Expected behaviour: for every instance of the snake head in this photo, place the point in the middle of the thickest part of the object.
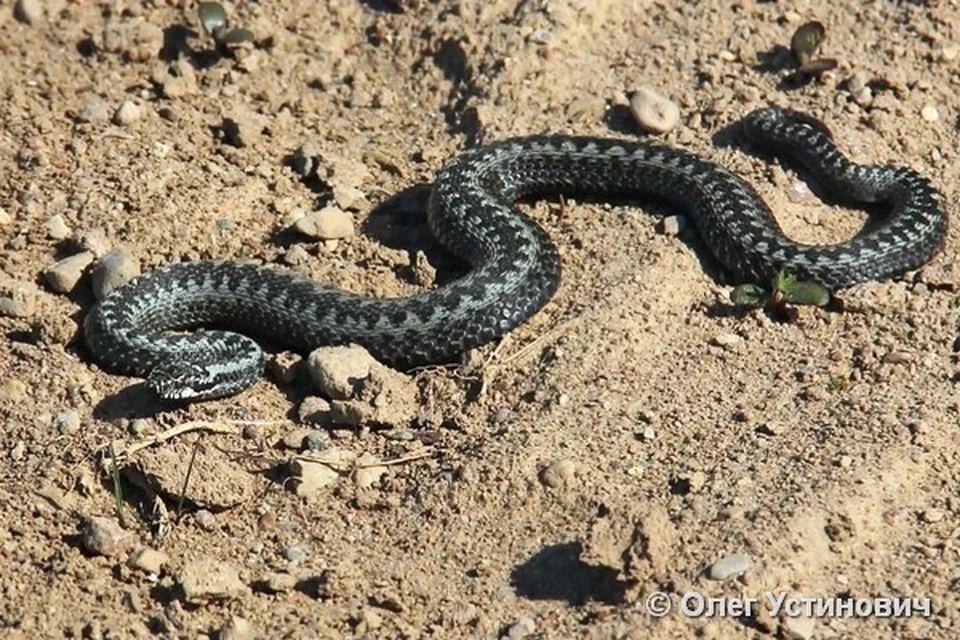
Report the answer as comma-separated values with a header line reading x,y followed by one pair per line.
x,y
189,381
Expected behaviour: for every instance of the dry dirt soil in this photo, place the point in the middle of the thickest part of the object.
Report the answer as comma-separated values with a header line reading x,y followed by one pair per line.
x,y
632,434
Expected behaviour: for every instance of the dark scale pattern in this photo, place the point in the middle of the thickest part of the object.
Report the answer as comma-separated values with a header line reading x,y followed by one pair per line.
x,y
516,268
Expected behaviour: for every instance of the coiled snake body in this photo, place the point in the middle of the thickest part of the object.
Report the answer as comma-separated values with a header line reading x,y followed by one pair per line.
x,y
515,266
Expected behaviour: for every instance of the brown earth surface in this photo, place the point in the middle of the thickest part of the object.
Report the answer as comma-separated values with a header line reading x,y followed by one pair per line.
x,y
618,444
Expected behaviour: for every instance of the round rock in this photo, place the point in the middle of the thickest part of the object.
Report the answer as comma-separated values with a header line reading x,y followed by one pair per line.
x,y
28,11
112,270
653,112
329,223
127,113
338,372
559,474
731,566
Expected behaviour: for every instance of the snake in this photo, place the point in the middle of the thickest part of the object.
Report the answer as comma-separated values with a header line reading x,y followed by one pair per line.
x,y
193,329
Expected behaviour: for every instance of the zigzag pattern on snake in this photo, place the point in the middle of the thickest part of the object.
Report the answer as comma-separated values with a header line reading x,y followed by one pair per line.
x,y
515,266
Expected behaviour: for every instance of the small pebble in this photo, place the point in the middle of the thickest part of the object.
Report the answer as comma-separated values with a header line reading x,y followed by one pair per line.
x,y
113,269
798,627
934,515
138,426
337,372
149,560
329,223
731,566
63,276
857,81
205,520
93,240
304,159
653,112
799,193
57,228
523,627
94,111
726,340
18,451
929,113
316,441
949,51
696,480
296,256
128,113
13,390
279,582
368,471
294,214
242,129
898,357
312,476
17,299
674,225
5,217
294,439
28,11
237,628
295,553
559,474
104,537
314,410
368,620
66,422
863,97
208,579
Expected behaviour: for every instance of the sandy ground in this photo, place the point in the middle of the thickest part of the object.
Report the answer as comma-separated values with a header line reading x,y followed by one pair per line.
x,y
619,444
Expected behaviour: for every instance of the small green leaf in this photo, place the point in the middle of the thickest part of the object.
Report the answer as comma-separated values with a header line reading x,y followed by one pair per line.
x,y
749,295
783,281
212,16
806,40
806,293
236,36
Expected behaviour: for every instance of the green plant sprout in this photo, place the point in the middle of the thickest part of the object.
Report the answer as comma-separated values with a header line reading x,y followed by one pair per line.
x,y
213,17
804,43
783,290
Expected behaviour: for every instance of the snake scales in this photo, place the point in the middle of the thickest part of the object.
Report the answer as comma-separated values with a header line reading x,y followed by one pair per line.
x,y
515,266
